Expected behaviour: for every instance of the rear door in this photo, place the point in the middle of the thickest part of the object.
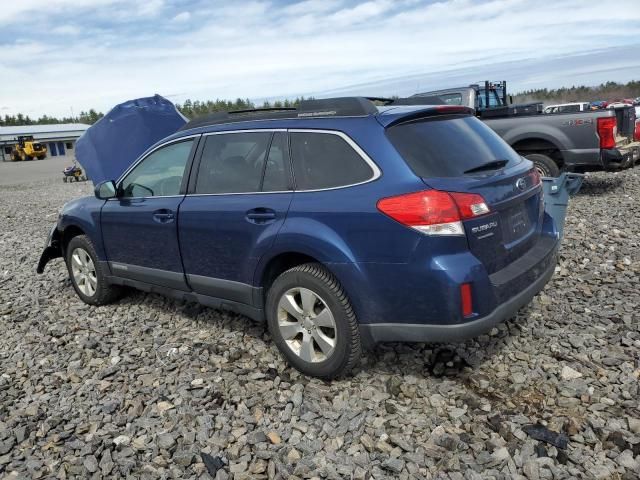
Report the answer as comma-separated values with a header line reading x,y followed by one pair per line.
x,y
139,228
237,202
457,153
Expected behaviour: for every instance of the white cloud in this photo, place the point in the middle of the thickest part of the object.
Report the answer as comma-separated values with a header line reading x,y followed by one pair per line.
x,y
181,17
150,7
67,29
261,49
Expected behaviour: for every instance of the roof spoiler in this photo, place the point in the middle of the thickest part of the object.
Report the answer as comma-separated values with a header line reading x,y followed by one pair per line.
x,y
430,111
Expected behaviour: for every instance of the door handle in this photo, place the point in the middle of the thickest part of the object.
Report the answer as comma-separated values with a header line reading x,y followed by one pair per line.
x,y
261,215
163,216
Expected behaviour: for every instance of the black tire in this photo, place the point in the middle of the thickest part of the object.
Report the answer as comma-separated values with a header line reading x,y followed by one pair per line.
x,y
104,292
347,350
545,165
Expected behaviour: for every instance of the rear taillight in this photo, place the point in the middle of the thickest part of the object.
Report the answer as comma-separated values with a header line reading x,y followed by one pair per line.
x,y
434,212
637,131
534,175
607,132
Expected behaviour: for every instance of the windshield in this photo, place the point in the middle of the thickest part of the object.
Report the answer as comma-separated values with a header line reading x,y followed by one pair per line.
x,y
449,146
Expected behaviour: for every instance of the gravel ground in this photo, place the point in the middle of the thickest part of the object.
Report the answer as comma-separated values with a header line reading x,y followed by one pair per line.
x,y
154,388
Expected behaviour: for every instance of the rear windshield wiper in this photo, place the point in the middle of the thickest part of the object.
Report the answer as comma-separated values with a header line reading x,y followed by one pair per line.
x,y
494,165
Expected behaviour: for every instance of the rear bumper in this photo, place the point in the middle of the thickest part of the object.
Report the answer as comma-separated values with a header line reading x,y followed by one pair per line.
x,y
621,157
411,332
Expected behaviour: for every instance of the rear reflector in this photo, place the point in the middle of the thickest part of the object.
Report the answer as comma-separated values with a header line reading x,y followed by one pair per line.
x,y
607,132
467,303
434,212
534,175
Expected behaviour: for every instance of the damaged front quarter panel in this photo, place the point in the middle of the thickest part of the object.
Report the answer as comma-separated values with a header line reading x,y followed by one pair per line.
x,y
52,249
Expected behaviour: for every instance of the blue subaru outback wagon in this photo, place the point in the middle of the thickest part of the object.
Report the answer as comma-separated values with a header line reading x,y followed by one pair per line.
x,y
340,223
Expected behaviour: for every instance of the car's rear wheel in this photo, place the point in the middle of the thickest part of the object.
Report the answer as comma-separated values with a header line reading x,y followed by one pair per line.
x,y
87,275
545,165
312,322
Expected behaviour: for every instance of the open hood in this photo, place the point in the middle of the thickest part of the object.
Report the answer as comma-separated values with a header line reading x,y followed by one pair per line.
x,y
113,143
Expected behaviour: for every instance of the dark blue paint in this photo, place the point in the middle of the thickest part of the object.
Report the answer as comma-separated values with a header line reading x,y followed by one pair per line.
x,y
220,240
133,235
53,149
393,274
60,148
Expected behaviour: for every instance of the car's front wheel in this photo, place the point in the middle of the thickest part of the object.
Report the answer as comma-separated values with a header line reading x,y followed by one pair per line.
x,y
87,275
312,322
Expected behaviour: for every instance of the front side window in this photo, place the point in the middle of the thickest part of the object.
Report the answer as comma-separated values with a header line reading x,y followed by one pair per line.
x,y
325,160
159,174
232,163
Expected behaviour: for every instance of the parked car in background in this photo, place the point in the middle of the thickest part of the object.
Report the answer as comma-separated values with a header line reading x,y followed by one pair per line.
x,y
621,101
568,107
597,105
617,104
339,222
636,101
578,141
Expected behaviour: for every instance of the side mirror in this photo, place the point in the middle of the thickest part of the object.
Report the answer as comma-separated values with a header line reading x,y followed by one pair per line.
x,y
105,190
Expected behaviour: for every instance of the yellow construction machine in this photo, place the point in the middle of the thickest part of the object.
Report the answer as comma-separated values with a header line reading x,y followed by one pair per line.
x,y
27,149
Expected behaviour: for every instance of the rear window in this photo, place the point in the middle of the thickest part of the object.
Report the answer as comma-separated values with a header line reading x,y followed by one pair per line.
x,y
449,146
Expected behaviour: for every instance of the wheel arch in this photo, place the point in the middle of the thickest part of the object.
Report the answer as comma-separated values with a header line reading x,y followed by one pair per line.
x,y
68,233
269,269
545,146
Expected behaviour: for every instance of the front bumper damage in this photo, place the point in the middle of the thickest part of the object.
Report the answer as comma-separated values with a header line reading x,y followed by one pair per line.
x,y
52,249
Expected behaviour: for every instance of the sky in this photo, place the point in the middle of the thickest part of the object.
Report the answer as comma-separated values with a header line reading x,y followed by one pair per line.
x,y
58,57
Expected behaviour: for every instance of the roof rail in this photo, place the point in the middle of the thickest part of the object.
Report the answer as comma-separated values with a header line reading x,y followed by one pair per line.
x,y
326,107
418,100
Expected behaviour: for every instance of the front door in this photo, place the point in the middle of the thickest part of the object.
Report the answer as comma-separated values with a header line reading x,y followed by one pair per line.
x,y
140,226
237,204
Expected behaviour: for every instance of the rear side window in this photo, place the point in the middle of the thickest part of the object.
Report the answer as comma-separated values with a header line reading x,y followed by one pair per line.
x,y
452,98
449,146
232,162
326,160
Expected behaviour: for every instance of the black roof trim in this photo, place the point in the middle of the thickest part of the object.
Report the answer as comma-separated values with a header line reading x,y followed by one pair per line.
x,y
326,107
416,100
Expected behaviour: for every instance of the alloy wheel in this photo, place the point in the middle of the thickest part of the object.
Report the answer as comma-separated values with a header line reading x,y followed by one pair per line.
x,y
84,272
307,324
543,172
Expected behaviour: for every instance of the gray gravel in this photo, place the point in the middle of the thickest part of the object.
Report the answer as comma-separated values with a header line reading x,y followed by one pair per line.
x,y
154,388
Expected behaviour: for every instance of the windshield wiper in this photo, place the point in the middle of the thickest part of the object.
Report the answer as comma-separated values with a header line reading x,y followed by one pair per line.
x,y
494,165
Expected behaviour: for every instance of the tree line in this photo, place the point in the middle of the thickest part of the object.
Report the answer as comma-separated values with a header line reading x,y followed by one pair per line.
x,y
606,91
89,118
190,109
196,108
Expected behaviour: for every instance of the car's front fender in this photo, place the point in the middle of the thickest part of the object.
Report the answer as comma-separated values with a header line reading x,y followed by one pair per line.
x,y
84,214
